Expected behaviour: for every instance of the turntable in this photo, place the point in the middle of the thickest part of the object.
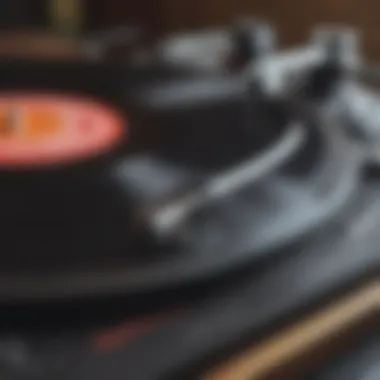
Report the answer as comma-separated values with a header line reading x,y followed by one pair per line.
x,y
160,215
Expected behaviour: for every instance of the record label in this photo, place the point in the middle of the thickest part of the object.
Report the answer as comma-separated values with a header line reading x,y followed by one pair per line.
x,y
44,129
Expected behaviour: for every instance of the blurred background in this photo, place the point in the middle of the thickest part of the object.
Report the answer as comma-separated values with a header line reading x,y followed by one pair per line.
x,y
293,18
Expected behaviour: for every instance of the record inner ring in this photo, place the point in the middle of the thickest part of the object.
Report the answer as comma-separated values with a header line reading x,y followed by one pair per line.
x,y
45,129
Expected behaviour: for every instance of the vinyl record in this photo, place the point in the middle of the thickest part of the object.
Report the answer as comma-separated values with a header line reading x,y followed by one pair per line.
x,y
241,164
100,256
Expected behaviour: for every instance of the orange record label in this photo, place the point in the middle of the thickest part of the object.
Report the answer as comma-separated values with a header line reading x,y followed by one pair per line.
x,y
53,129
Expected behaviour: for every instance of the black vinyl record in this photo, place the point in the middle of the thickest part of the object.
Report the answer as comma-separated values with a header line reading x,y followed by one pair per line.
x,y
77,232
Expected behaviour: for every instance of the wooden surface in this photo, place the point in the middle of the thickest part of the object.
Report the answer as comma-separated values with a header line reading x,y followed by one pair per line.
x,y
34,45
308,343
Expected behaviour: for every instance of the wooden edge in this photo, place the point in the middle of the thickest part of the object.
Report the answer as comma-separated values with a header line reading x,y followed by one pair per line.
x,y
305,336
